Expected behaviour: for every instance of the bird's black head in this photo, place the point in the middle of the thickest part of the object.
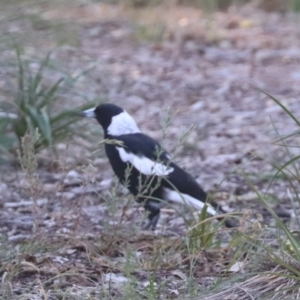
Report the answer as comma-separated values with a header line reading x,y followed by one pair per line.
x,y
113,119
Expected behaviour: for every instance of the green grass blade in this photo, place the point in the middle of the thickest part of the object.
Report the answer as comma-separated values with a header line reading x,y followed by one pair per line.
x,y
295,244
282,106
21,70
280,170
39,75
40,121
48,96
47,126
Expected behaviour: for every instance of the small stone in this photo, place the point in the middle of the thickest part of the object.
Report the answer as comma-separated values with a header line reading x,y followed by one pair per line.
x,y
115,278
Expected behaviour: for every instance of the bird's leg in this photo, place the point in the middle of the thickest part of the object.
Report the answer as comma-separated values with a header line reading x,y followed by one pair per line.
x,y
152,222
153,216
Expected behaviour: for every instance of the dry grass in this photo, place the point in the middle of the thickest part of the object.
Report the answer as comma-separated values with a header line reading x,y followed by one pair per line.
x,y
55,263
271,283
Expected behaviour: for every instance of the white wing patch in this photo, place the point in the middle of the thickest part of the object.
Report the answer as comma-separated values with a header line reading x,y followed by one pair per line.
x,y
181,198
145,165
122,123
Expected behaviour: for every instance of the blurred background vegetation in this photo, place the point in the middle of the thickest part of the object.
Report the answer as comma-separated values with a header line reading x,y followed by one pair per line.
x,y
213,5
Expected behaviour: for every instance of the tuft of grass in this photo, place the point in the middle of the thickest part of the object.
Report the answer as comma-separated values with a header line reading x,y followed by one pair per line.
x,y
153,33
201,235
35,108
28,162
269,254
274,258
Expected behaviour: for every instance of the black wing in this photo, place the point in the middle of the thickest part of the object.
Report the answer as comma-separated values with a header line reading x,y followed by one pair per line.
x,y
143,145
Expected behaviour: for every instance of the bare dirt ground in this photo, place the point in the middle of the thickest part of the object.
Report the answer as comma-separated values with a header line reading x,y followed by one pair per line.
x,y
74,233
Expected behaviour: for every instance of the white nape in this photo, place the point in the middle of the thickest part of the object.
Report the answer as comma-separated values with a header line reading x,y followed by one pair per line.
x,y
181,198
122,123
144,165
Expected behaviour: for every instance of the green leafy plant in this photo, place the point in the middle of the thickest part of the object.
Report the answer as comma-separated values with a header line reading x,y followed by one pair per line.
x,y
35,107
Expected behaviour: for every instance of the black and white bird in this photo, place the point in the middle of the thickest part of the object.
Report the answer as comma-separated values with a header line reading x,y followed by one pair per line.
x,y
144,167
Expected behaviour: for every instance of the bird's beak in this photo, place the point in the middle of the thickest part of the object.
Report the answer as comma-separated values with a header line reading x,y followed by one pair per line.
x,y
89,113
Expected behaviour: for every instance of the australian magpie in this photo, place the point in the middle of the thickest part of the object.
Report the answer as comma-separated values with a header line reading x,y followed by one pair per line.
x,y
144,167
